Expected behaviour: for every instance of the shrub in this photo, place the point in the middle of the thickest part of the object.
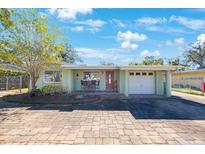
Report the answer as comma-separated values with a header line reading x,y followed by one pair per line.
x,y
35,92
52,89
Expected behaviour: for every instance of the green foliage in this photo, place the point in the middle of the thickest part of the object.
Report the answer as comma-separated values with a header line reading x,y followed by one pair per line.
x,y
149,60
152,60
69,55
10,73
28,43
174,61
35,92
195,56
5,18
52,89
134,63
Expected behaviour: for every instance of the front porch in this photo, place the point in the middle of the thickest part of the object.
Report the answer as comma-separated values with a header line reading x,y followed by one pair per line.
x,y
94,80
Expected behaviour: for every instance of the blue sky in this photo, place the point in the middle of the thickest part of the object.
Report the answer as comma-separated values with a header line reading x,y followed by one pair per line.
x,y
124,35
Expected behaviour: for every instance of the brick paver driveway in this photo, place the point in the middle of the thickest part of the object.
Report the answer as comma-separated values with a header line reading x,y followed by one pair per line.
x,y
135,121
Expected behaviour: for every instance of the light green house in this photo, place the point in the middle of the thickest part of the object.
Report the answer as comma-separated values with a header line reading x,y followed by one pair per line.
x,y
122,79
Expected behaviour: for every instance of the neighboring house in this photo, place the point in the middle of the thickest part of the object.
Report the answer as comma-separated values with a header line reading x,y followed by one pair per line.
x,y
122,79
189,79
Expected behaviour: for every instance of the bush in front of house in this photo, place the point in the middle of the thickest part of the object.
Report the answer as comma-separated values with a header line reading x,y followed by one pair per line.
x,y
52,89
35,92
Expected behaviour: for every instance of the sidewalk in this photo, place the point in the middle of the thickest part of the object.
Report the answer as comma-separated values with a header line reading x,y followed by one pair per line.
x,y
13,92
190,97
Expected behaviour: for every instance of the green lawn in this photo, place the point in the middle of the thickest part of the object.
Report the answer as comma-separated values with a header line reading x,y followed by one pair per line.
x,y
188,91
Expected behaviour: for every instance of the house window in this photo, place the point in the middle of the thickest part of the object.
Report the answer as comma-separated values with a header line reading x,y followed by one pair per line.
x,y
52,76
131,73
144,73
138,73
150,74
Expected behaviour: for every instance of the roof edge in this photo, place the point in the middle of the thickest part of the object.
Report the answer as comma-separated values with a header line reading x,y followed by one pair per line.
x,y
137,67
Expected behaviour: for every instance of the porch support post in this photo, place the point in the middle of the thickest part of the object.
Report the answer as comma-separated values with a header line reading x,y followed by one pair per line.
x,y
168,83
126,83
70,80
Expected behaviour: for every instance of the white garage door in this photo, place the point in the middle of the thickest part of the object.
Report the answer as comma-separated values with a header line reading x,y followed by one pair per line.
x,y
141,82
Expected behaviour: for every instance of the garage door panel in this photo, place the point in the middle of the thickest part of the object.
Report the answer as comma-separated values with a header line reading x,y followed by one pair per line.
x,y
142,83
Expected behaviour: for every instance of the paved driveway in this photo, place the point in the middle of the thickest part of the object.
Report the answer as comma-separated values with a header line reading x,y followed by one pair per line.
x,y
135,121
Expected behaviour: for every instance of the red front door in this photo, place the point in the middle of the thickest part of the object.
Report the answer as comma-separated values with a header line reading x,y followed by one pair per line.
x,y
110,80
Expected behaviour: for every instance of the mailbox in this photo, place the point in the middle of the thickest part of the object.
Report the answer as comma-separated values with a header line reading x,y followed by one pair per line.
x,y
204,87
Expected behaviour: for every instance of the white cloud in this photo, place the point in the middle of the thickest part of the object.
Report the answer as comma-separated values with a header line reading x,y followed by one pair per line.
x,y
188,22
128,45
91,53
130,36
70,13
201,39
93,25
90,22
179,41
146,53
109,54
176,42
151,21
165,29
118,23
77,28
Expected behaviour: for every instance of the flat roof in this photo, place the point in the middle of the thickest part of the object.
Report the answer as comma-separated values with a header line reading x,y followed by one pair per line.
x,y
107,67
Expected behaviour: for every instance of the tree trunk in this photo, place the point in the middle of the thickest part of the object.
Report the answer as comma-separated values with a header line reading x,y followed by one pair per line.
x,y
33,82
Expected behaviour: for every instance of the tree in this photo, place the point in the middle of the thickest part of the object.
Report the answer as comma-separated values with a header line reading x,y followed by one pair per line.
x,y
69,55
5,18
195,56
152,60
28,43
174,61
133,63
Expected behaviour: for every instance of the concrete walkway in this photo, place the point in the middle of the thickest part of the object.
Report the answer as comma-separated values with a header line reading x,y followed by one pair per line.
x,y
190,97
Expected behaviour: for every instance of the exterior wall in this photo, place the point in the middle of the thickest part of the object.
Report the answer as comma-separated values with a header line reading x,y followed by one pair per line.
x,y
67,80
168,83
198,78
71,81
122,81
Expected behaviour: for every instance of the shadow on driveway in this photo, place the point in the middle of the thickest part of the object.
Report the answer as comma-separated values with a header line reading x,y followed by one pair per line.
x,y
173,108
